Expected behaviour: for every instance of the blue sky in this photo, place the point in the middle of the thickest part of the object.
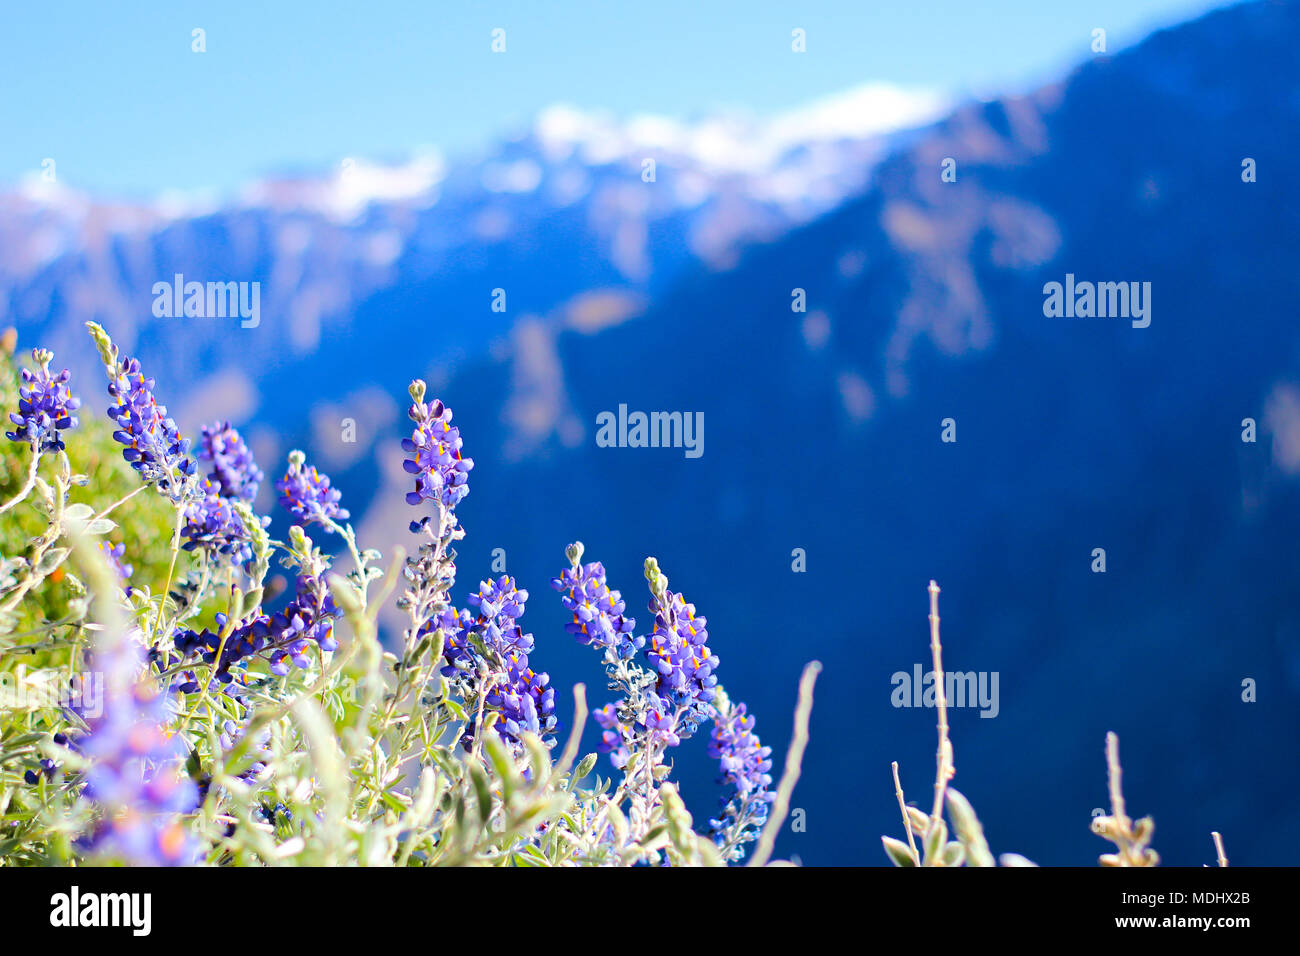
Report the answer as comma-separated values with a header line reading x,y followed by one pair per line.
x,y
113,93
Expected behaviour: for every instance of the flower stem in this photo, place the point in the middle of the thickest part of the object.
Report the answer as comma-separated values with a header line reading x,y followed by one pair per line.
x,y
171,569
27,487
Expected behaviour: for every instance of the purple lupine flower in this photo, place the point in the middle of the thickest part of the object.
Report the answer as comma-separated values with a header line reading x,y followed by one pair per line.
x,y
598,611
499,598
614,736
45,406
47,767
213,525
441,472
500,605
524,700
520,695
307,494
662,726
233,733
115,555
600,620
745,766
457,652
680,654
745,763
154,446
282,639
135,774
233,469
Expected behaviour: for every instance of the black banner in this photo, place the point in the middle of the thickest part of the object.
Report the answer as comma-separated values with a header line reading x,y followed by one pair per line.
x,y
138,906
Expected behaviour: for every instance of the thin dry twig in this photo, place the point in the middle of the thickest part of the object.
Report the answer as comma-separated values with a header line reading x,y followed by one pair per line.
x,y
902,808
1131,837
1113,774
1218,848
944,770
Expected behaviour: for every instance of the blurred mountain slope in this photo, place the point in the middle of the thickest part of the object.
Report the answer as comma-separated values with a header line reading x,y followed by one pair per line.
x,y
823,433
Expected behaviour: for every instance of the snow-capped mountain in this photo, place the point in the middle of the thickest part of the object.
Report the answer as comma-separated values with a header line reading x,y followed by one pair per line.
x,y
580,218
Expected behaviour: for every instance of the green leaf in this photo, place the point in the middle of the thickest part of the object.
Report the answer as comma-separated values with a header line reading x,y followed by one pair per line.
x,y
969,830
482,790
653,834
540,758
618,822
52,559
459,813
445,763
251,600
584,767
935,838
898,852
502,764
917,821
